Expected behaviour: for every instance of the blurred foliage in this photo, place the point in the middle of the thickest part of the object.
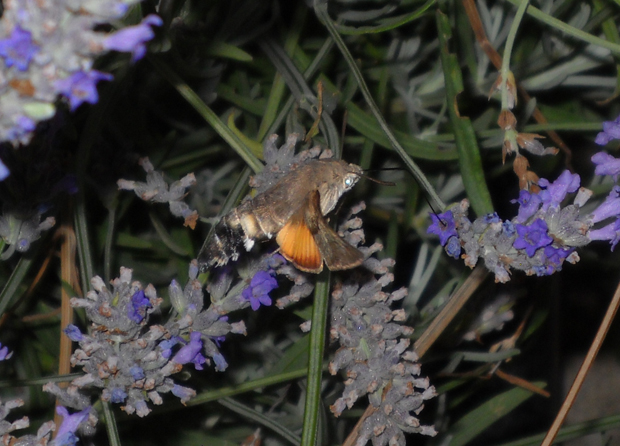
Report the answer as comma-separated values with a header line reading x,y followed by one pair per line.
x,y
223,75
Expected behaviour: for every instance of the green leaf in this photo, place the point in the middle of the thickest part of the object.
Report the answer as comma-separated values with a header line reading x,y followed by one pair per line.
x,y
228,51
479,419
467,146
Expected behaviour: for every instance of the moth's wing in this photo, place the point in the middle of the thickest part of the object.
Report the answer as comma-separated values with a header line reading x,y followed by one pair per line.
x,y
336,252
297,243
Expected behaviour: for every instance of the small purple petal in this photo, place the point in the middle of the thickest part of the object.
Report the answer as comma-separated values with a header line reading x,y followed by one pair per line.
x,y
453,247
608,208
188,352
442,225
136,309
73,333
258,292
118,395
5,353
554,193
137,373
220,362
133,38
532,237
4,171
606,164
18,49
611,130
184,393
81,87
529,205
70,423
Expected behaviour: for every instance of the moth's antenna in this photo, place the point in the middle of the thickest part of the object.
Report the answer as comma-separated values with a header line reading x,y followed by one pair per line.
x,y
389,183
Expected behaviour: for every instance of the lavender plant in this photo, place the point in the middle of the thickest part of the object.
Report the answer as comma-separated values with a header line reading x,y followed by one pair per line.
x,y
98,98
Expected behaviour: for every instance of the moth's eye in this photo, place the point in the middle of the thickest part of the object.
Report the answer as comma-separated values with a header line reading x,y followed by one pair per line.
x,y
349,181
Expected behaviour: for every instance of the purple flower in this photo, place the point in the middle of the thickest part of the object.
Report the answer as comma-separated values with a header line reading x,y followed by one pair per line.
x,y
191,352
529,205
136,309
70,423
4,171
5,353
608,208
611,130
606,164
491,218
184,393
133,38
258,292
118,395
73,333
166,346
610,232
220,362
532,237
453,247
81,87
443,226
554,193
508,228
555,258
18,49
137,373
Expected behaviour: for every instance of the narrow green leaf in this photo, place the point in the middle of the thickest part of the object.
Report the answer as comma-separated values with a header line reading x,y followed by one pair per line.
x,y
320,8
228,51
315,363
467,146
295,357
479,419
10,288
386,24
208,115
262,419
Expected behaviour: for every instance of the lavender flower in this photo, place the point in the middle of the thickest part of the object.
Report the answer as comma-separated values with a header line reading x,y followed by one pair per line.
x,y
81,87
49,48
136,309
376,356
5,353
133,39
70,423
132,359
611,130
18,232
443,226
157,190
18,49
4,171
258,292
190,352
532,237
546,233
73,333
606,164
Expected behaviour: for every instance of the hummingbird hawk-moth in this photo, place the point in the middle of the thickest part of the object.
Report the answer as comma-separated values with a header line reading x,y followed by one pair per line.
x,y
293,211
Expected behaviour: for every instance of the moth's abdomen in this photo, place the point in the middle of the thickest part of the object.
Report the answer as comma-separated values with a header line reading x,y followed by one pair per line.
x,y
223,245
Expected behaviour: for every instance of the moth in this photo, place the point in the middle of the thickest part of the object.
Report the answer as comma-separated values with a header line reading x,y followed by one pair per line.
x,y
293,212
